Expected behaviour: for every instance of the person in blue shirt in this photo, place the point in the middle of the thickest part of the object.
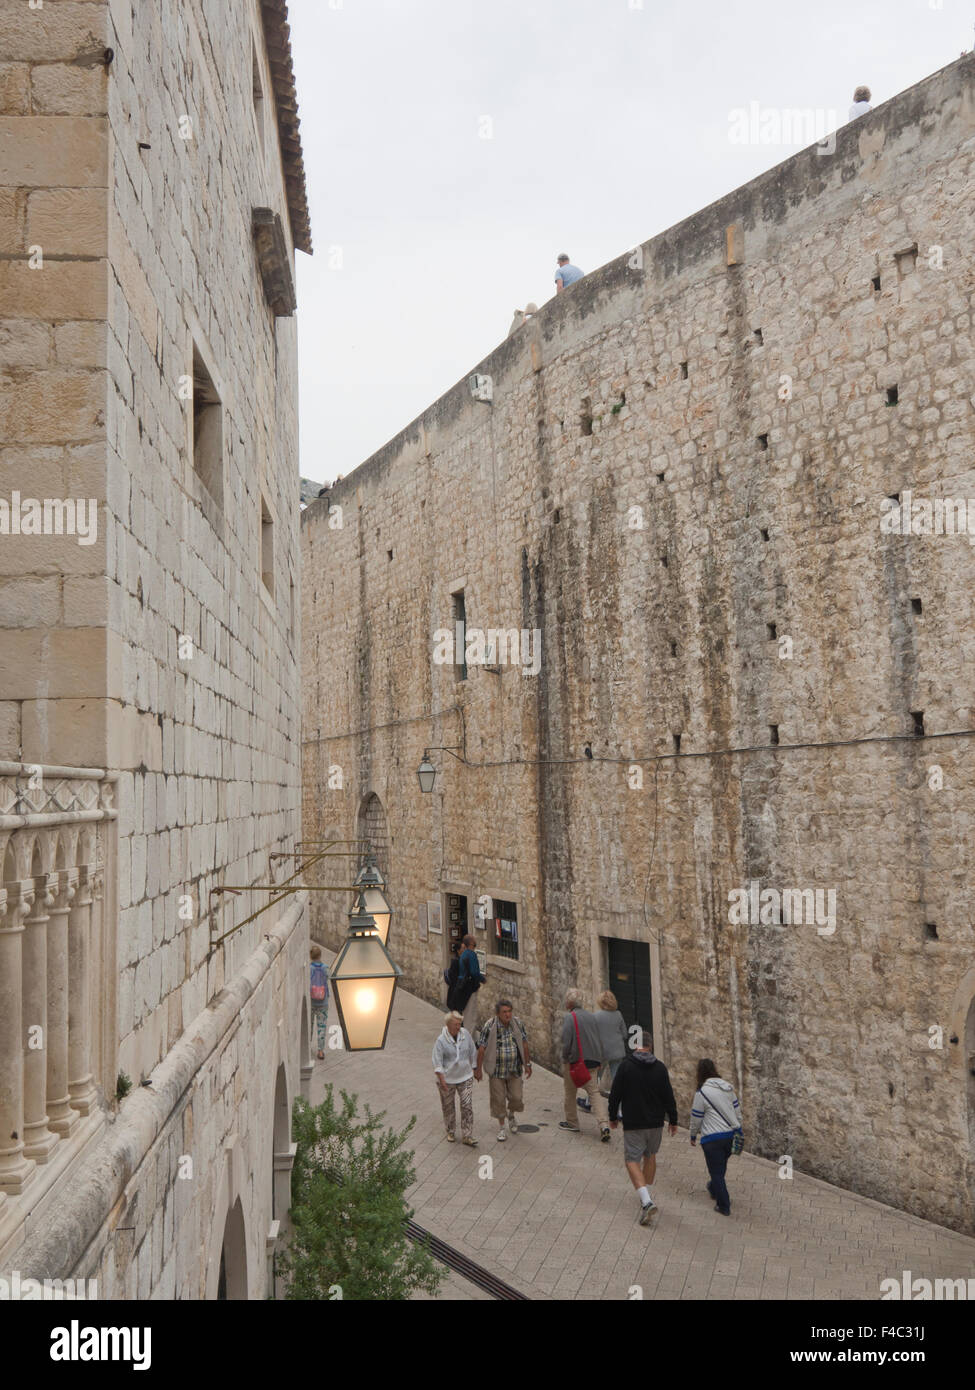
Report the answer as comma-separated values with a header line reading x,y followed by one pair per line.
x,y
567,274
469,981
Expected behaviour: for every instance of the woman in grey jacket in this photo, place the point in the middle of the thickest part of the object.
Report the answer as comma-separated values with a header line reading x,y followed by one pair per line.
x,y
716,1117
612,1032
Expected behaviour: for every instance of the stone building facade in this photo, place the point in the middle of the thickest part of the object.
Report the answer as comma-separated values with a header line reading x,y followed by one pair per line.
x,y
151,201
734,782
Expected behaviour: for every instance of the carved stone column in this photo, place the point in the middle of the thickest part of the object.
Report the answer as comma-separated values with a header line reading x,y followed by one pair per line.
x,y
39,1140
15,1170
81,1086
60,1116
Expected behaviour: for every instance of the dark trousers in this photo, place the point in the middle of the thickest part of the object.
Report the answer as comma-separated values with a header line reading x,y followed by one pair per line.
x,y
716,1154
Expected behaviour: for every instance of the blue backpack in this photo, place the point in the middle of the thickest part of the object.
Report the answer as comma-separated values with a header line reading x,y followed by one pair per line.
x,y
319,982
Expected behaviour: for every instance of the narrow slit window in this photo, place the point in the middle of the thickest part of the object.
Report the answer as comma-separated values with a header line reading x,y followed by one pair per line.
x,y
257,89
459,613
585,417
891,395
267,546
676,743
763,441
917,715
772,631
207,430
683,371
875,282
773,734
916,605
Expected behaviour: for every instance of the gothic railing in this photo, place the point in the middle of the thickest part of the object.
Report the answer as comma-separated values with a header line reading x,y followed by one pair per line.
x,y
57,855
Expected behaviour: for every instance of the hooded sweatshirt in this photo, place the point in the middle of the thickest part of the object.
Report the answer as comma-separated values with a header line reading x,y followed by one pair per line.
x,y
715,1112
642,1086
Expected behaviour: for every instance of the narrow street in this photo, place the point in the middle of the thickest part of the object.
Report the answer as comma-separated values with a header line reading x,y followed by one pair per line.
x,y
558,1217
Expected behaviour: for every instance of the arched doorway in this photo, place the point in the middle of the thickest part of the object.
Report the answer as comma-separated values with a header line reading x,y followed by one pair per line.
x,y
232,1280
282,1157
374,828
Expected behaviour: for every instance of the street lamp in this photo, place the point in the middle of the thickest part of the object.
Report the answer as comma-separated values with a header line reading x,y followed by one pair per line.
x,y
364,977
427,774
369,882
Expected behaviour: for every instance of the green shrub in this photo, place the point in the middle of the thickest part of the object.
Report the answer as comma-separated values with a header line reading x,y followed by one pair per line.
x,y
348,1208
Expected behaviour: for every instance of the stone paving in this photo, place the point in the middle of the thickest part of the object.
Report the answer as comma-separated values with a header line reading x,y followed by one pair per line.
x,y
557,1220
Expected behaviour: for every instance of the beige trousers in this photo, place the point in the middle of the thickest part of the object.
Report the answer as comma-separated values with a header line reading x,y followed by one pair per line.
x,y
600,1109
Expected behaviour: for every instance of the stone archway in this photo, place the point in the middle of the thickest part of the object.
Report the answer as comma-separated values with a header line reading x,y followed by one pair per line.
x,y
232,1278
374,827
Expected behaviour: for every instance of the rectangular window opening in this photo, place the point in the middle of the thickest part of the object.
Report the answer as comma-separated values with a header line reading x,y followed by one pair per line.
x,y
683,371
875,282
676,743
207,430
916,605
505,924
918,717
930,931
763,441
773,733
459,615
267,547
772,631
585,417
764,533
891,395
257,89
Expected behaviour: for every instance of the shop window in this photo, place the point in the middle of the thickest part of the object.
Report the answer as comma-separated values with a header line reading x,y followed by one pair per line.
x,y
505,929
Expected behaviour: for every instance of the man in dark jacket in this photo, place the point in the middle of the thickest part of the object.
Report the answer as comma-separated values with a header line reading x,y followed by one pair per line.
x,y
642,1086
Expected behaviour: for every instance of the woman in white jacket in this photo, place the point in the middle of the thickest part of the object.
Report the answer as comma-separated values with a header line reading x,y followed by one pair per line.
x,y
716,1117
454,1060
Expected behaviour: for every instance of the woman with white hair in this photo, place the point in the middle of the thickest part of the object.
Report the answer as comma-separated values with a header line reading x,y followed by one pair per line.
x,y
454,1059
582,1056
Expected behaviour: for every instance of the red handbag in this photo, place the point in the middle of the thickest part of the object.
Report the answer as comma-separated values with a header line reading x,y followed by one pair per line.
x,y
579,1072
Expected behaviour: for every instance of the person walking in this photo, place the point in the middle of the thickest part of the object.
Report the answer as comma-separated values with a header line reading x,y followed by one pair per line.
x,y
642,1089
581,1044
454,1056
319,999
716,1117
502,1052
612,1035
566,274
451,973
469,981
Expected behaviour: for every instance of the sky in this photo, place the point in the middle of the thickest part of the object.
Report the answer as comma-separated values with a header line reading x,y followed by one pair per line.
x,y
453,148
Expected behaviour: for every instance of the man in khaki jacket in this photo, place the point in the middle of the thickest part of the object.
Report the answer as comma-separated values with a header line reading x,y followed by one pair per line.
x,y
502,1052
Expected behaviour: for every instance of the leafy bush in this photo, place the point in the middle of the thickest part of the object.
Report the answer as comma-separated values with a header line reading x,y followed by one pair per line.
x,y
348,1209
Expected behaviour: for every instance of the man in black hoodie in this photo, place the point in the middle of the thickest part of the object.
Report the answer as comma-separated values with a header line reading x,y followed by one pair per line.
x,y
642,1086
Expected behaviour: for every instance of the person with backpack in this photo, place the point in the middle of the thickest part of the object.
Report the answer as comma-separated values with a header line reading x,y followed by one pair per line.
x,y
716,1117
319,999
469,981
642,1087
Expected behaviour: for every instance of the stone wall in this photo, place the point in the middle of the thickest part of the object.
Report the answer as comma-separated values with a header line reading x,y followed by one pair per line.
x,y
133,154
686,461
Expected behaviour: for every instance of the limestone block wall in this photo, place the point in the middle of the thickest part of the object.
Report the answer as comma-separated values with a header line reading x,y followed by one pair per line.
x,y
686,460
133,154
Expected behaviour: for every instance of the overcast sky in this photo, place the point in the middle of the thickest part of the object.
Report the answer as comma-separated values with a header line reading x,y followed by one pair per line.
x,y
453,148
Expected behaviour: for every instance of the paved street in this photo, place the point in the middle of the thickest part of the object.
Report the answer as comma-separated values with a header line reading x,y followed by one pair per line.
x,y
558,1217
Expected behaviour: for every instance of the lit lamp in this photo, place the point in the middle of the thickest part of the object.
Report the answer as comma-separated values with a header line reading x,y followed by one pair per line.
x,y
427,774
364,977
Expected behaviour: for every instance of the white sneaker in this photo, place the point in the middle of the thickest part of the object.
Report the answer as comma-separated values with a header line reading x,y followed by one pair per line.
x,y
512,1124
502,1133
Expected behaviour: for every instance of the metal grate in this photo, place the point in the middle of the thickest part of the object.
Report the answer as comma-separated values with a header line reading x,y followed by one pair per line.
x,y
454,1260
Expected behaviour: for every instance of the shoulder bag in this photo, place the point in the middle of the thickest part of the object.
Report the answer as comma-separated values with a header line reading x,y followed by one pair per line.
x,y
579,1072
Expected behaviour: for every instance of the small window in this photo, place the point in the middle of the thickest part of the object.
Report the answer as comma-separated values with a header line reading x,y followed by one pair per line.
x,y
207,430
763,441
891,395
505,929
773,734
585,417
875,282
267,547
257,87
459,614
759,337
683,371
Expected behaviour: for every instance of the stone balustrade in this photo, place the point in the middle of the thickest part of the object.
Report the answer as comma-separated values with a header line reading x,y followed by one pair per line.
x,y
57,852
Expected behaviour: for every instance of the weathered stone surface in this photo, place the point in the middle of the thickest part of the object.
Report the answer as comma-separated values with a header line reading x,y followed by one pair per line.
x,y
684,463
157,653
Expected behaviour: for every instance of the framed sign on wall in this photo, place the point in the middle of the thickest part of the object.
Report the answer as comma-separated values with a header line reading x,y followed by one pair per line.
x,y
433,918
